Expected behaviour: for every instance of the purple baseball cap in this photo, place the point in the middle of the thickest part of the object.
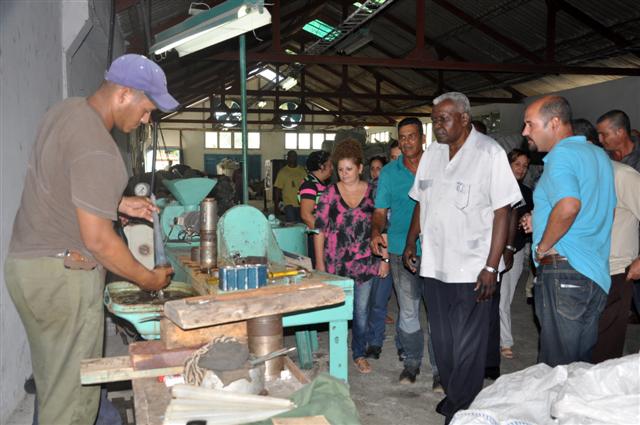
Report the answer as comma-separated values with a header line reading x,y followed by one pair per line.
x,y
138,72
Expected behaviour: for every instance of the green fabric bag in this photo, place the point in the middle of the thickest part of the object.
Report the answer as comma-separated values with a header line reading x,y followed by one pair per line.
x,y
326,396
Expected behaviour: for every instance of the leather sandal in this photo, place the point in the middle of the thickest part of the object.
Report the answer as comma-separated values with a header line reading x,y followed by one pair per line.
x,y
506,352
362,365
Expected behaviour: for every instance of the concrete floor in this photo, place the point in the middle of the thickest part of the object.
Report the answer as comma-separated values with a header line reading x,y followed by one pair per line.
x,y
380,399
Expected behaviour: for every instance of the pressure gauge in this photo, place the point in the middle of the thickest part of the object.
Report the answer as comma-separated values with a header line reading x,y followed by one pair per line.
x,y
142,189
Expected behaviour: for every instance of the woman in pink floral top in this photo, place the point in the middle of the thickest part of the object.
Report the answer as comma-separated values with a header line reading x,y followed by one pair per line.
x,y
343,220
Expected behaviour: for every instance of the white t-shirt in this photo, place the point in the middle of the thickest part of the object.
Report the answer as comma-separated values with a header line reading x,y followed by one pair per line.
x,y
457,203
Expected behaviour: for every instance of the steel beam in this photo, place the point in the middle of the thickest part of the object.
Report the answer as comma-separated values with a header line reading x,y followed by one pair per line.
x,y
405,63
352,96
449,52
275,27
420,11
307,114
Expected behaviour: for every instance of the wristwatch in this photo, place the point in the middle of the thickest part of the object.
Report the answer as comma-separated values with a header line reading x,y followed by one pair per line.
x,y
490,269
511,248
385,260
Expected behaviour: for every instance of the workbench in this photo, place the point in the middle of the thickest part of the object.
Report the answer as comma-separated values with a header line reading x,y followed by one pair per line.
x,y
337,317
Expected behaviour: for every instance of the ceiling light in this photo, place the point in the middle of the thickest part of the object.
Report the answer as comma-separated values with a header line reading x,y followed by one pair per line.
x,y
262,104
289,83
220,23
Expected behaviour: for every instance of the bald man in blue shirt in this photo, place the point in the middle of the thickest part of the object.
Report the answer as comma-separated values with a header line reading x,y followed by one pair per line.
x,y
572,220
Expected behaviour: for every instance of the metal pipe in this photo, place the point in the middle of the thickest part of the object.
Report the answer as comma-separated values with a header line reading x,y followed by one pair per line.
x,y
265,336
243,107
208,239
154,146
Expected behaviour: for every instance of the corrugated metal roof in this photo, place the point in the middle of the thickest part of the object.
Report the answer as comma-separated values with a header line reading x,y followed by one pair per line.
x,y
522,21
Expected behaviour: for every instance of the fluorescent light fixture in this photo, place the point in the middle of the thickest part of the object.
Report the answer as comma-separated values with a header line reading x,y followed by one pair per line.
x,y
197,102
289,83
220,23
269,74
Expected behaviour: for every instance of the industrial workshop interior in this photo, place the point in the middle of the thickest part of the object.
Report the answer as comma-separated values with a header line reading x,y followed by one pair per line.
x,y
312,212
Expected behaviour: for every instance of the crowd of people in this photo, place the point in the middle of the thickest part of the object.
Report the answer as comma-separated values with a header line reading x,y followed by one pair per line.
x,y
454,226
449,225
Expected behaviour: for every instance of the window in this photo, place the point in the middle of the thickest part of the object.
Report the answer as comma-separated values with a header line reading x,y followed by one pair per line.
x,y
380,137
306,140
321,30
210,140
227,140
164,158
429,133
291,141
224,140
254,140
317,140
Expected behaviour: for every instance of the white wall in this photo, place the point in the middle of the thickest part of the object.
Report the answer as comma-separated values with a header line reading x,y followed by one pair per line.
x,y
592,101
35,73
30,82
586,102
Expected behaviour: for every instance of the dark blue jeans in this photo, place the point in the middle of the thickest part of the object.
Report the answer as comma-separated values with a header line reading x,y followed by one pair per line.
x,y
361,303
380,293
568,306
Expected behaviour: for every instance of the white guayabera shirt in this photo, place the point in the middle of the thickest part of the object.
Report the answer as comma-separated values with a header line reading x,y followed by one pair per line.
x,y
457,203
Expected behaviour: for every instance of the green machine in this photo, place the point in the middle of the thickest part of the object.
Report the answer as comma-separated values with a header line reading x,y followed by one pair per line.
x,y
180,218
291,237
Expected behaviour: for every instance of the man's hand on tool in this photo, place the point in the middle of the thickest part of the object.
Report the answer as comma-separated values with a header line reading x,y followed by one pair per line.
x,y
137,206
159,278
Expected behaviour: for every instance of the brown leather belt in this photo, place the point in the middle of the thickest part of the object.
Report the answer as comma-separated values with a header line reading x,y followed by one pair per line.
x,y
551,259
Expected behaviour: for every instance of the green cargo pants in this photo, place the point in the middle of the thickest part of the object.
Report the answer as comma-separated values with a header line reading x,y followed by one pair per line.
x,y
63,315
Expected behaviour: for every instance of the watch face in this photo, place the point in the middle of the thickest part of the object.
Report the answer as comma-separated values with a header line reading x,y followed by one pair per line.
x,y
142,189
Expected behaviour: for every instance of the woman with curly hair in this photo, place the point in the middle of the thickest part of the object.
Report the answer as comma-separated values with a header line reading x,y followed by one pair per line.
x,y
343,222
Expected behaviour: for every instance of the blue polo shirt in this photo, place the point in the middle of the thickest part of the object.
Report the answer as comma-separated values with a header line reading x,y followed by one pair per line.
x,y
578,169
394,184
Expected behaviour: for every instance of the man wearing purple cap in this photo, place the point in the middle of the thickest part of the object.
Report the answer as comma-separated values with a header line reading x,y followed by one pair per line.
x,y
63,237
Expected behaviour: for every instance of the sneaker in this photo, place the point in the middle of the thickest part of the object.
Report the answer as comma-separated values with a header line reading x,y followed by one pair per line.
x,y
401,355
408,376
437,386
373,352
